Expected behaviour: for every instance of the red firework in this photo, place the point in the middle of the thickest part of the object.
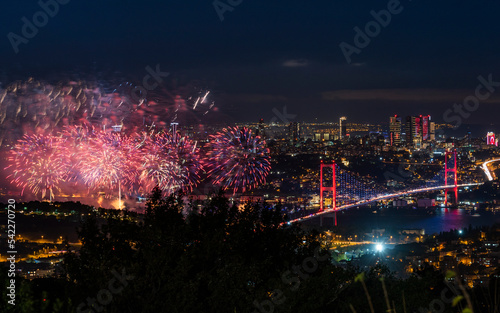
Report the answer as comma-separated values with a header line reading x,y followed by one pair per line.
x,y
237,160
39,162
170,162
107,160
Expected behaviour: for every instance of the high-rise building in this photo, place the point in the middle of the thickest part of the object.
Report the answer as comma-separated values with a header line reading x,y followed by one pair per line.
x,y
410,130
294,132
395,130
343,127
419,129
260,129
426,120
490,139
432,131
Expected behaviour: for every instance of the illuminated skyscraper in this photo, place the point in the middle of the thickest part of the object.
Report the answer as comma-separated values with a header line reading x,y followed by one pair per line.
x,y
343,127
426,120
260,129
395,130
419,129
490,139
410,127
432,131
294,132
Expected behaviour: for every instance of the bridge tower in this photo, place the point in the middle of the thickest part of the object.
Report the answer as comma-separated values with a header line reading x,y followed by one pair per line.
x,y
332,188
453,170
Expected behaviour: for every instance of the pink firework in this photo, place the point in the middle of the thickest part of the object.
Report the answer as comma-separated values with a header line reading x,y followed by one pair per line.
x,y
39,163
172,163
238,160
107,160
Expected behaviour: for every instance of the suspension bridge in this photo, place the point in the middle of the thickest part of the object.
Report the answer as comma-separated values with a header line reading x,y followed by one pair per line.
x,y
345,190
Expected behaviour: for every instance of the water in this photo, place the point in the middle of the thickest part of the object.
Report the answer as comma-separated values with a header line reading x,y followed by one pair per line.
x,y
433,221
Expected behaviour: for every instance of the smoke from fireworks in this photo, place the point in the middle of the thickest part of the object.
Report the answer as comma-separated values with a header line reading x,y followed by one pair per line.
x,y
237,160
184,102
41,108
32,106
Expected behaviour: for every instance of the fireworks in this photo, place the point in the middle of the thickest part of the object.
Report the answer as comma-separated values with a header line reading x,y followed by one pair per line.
x,y
170,162
237,160
184,102
41,108
107,160
77,135
37,107
39,163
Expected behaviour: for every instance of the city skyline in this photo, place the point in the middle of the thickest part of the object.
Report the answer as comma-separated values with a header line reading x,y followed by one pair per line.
x,y
221,156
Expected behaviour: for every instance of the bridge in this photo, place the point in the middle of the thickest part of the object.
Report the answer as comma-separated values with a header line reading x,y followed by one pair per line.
x,y
346,191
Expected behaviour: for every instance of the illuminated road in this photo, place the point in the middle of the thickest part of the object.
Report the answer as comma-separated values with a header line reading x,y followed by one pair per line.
x,y
379,198
484,167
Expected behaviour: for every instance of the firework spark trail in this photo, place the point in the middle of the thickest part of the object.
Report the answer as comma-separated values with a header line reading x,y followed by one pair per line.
x,y
108,159
37,107
171,163
39,162
237,160
184,102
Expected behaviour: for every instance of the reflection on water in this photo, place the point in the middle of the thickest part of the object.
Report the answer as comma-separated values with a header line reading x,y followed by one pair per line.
x,y
433,221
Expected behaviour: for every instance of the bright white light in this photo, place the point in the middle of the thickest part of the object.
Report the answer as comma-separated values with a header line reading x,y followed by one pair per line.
x,y
460,231
379,247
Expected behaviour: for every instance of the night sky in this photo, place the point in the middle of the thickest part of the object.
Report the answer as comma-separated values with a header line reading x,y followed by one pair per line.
x,y
266,55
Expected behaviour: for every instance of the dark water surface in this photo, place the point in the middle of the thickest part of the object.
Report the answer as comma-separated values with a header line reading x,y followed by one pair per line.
x,y
432,220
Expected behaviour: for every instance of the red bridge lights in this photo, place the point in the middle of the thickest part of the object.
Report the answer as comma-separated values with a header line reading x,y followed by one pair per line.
x,y
322,189
453,171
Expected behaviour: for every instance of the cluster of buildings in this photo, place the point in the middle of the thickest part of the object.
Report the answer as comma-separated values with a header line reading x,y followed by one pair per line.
x,y
474,259
473,255
320,132
418,130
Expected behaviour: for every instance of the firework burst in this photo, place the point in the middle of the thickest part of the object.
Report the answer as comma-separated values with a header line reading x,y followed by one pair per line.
x,y
39,163
107,159
237,160
170,162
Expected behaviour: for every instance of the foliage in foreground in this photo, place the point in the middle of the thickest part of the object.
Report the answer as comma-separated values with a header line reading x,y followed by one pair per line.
x,y
215,259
